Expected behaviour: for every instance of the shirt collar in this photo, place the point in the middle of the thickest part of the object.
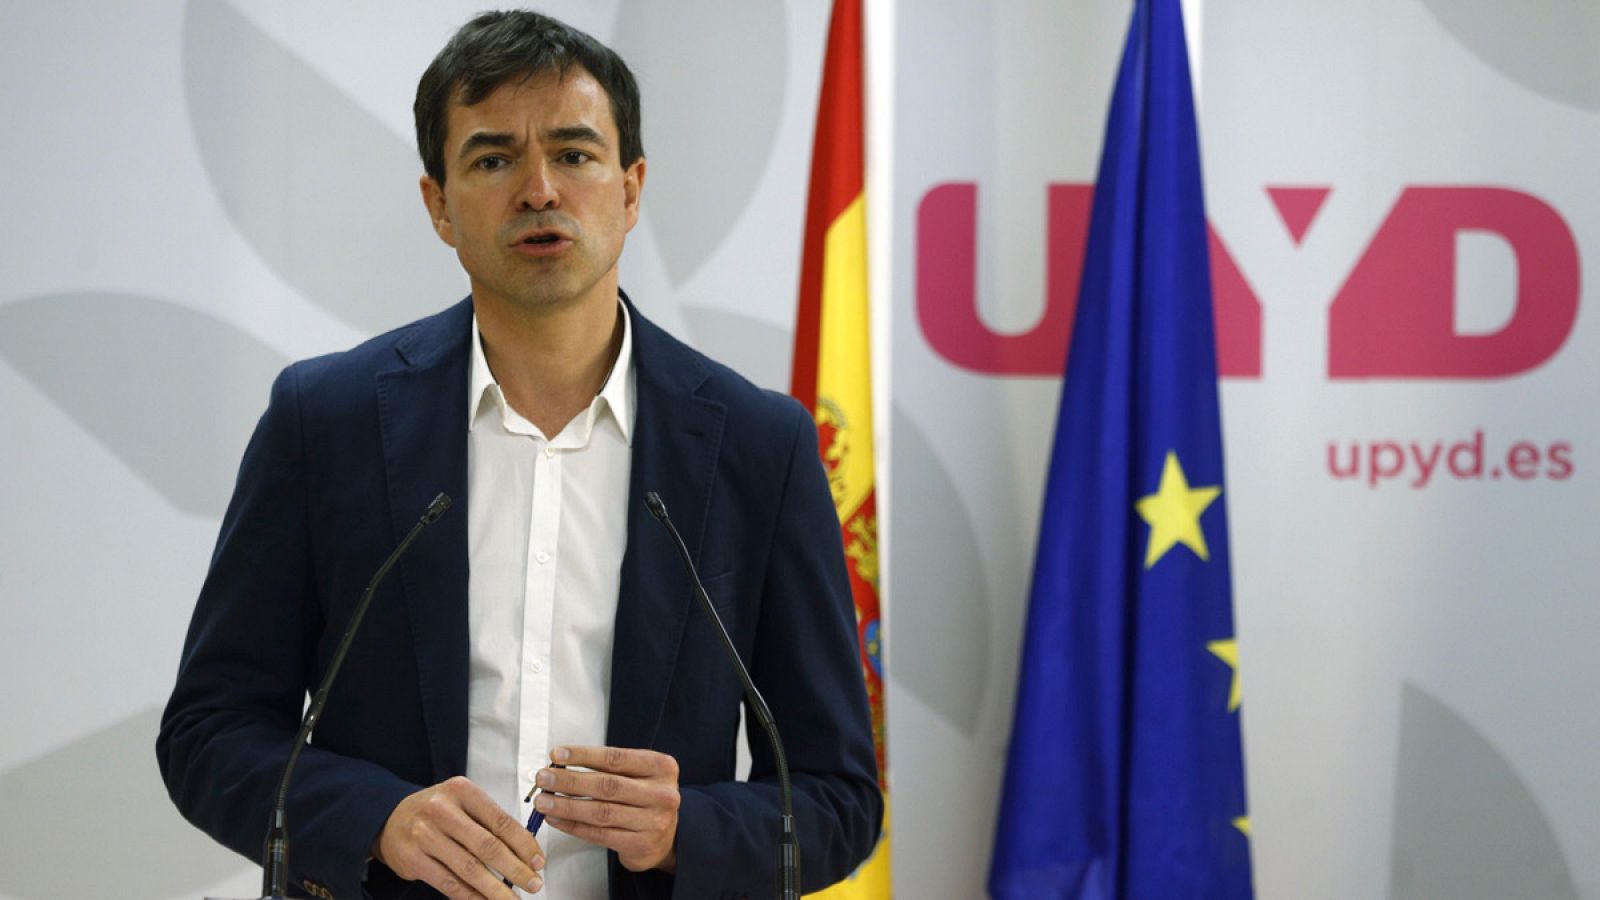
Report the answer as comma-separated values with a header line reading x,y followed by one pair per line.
x,y
481,384
616,395
618,390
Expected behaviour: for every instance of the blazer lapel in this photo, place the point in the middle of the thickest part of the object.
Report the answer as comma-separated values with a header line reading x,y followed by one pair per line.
x,y
676,440
422,405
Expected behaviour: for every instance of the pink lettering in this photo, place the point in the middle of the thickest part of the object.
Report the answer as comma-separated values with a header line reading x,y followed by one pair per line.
x,y
946,289
1425,463
1394,316
1385,459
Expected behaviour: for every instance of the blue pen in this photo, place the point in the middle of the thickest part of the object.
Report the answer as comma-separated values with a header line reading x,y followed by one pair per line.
x,y
537,818
534,821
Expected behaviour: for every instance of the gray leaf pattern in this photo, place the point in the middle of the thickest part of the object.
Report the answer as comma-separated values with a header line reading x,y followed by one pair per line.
x,y
101,822
1547,46
160,385
322,190
755,349
941,577
711,108
1466,826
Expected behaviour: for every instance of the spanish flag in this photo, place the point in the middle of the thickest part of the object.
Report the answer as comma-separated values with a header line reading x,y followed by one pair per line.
x,y
833,371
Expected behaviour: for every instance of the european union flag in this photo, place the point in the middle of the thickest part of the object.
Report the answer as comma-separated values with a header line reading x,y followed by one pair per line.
x,y
1125,776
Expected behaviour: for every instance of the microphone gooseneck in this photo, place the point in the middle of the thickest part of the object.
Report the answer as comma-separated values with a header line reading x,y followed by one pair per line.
x,y
275,855
788,843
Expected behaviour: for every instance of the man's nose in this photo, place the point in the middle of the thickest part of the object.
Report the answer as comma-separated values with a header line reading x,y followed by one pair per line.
x,y
538,190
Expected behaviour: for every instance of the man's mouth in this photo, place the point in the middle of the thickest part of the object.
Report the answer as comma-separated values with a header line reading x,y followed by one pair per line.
x,y
543,243
541,236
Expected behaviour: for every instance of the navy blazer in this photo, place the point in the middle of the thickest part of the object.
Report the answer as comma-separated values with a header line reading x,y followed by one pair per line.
x,y
350,451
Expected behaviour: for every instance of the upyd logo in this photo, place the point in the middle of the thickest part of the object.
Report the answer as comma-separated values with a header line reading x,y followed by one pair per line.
x,y
1393,317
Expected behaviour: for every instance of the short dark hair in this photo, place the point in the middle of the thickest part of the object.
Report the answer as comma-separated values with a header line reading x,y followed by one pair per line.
x,y
497,47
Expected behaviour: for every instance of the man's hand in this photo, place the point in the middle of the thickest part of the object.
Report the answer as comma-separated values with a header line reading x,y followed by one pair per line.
x,y
632,804
451,834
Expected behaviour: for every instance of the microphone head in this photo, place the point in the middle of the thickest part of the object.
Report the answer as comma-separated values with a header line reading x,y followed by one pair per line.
x,y
436,509
657,508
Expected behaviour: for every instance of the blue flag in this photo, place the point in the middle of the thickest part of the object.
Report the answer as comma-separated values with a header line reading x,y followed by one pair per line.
x,y
1125,776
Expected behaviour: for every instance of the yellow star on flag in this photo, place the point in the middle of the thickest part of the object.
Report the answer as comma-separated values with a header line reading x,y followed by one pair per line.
x,y
1173,512
1228,652
1243,824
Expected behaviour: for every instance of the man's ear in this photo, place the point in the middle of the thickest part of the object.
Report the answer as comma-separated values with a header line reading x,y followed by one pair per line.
x,y
633,190
438,212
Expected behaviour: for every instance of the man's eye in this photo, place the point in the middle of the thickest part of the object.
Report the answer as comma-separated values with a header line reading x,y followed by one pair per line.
x,y
574,157
491,163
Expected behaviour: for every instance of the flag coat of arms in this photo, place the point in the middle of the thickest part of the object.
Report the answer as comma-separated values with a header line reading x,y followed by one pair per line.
x,y
832,370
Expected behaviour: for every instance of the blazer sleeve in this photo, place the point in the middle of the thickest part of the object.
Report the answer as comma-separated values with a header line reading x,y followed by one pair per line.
x,y
806,662
248,659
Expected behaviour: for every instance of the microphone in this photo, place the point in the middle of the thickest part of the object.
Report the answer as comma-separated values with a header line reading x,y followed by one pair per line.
x,y
275,854
788,844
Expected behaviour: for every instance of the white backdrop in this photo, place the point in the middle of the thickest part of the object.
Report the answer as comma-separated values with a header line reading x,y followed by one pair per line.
x,y
1416,633
201,191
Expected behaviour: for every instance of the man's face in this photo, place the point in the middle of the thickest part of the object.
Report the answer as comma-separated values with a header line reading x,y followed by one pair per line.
x,y
535,200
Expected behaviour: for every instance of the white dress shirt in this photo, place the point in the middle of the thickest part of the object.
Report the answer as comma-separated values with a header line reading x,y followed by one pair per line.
x,y
546,529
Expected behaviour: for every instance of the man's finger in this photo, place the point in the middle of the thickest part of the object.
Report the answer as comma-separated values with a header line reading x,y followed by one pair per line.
x,y
633,848
488,814
437,875
469,871
608,786
441,824
601,813
641,825
628,761
609,838
473,842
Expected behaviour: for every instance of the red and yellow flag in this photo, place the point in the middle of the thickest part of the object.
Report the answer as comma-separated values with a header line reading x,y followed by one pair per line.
x,y
833,368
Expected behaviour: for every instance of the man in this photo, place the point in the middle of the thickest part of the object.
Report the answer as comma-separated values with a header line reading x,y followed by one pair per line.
x,y
545,618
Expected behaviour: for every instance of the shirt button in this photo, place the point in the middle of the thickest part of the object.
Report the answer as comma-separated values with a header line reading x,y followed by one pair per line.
x,y
542,557
537,666
549,452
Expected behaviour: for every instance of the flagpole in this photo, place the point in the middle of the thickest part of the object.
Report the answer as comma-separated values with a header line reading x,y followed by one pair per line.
x,y
879,63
